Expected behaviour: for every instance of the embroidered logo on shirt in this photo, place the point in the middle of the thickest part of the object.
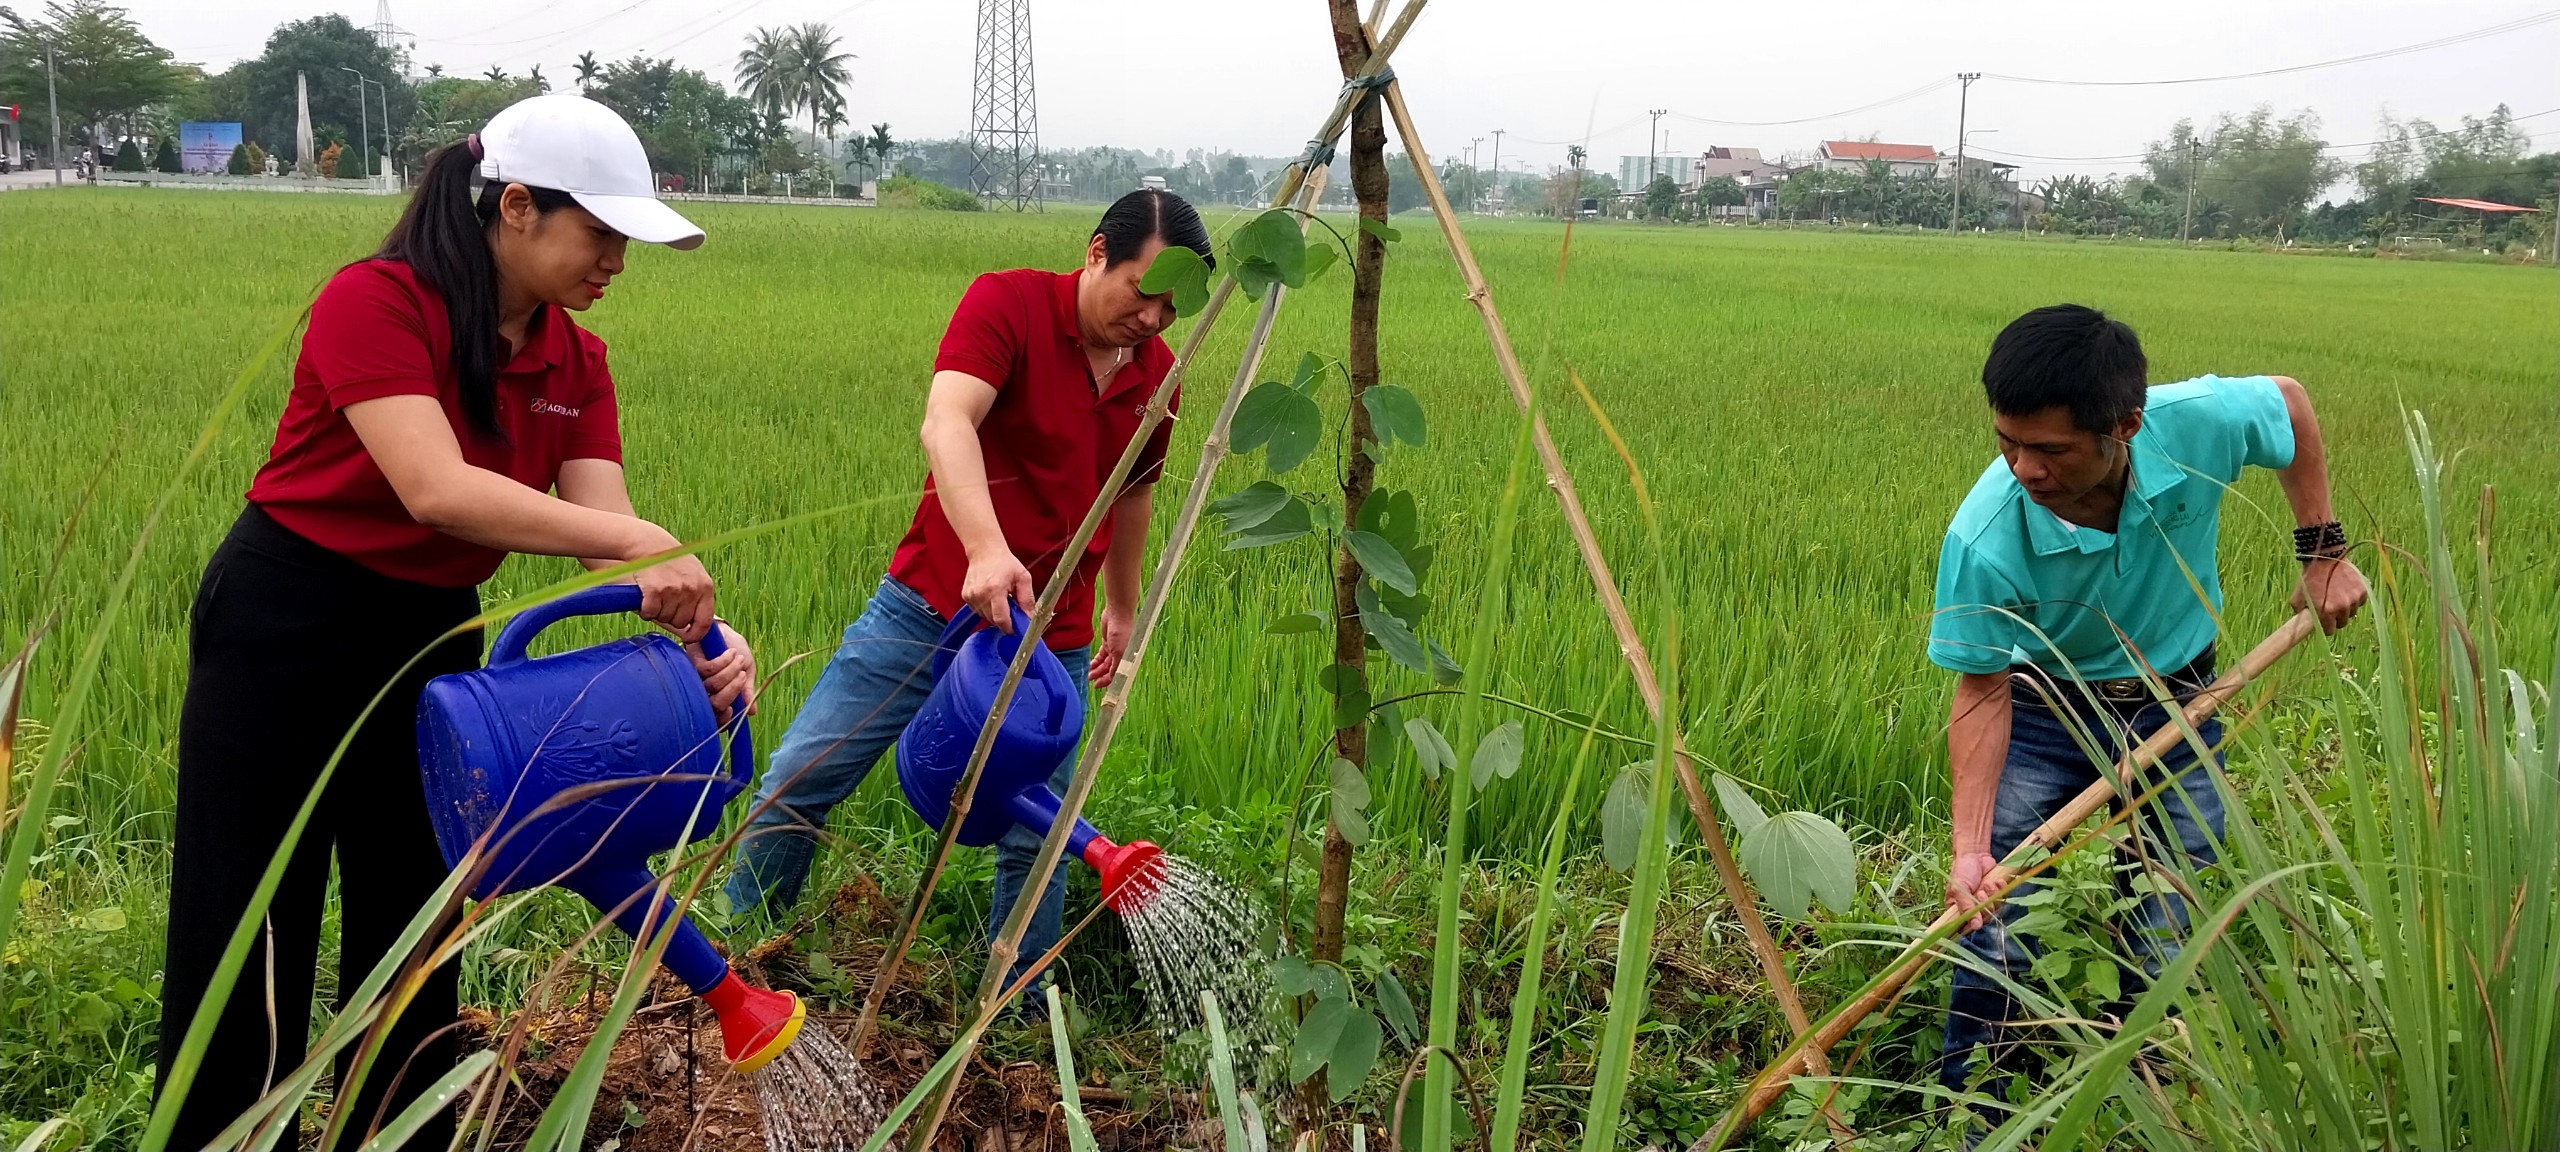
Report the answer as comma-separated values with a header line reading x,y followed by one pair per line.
x,y
542,405
2180,517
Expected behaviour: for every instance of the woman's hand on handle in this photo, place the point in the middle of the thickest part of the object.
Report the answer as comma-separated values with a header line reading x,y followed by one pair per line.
x,y
728,677
676,594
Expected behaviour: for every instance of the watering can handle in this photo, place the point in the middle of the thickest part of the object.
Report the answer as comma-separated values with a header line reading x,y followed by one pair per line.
x,y
601,600
608,600
964,624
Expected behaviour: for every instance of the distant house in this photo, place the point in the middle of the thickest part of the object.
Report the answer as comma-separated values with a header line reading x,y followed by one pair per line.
x,y
10,148
1744,166
1151,183
1854,155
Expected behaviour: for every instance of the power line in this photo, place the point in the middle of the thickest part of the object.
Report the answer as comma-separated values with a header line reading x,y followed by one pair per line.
x,y
2360,58
570,31
1888,101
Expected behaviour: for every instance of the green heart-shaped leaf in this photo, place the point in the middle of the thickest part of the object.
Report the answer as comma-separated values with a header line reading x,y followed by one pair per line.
x,y
1251,506
1394,414
1183,273
1381,560
1498,754
1622,815
1429,746
1798,857
1739,807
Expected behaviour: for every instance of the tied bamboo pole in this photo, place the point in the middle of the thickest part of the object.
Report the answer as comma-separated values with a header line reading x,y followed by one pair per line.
x,y
1772,1080
1630,643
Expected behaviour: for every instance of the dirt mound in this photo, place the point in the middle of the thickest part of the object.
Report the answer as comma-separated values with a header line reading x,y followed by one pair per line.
x,y
667,1088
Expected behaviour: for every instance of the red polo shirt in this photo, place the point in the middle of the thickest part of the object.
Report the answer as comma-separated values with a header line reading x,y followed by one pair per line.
x,y
375,331
1049,440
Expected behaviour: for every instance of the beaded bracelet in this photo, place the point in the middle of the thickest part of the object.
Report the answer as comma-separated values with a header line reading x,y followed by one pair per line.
x,y
2320,542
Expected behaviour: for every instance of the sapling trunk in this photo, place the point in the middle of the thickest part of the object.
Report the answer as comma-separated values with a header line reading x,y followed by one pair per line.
x,y
1350,649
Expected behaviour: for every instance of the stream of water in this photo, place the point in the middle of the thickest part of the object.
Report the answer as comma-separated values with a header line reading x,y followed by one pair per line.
x,y
1195,932
816,1098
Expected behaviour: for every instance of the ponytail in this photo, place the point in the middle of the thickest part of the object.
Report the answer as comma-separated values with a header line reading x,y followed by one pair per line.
x,y
443,237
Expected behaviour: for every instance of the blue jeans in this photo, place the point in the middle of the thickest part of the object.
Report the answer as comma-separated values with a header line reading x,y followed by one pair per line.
x,y
873,685
2044,770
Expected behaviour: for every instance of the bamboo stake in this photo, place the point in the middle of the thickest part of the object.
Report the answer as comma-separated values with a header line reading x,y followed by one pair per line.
x,y
1002,951
1630,643
1772,1080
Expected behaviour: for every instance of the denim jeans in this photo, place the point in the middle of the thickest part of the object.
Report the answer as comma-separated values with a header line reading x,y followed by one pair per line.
x,y
2046,767
873,685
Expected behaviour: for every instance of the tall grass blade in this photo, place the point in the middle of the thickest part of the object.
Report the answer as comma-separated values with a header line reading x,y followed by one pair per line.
x,y
436,1098
1070,1093
1525,1002
1446,947
1222,1073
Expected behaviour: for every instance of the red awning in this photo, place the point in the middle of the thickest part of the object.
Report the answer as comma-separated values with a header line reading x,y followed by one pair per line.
x,y
2477,205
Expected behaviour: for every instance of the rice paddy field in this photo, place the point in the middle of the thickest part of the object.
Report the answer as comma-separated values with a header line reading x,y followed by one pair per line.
x,y
1804,405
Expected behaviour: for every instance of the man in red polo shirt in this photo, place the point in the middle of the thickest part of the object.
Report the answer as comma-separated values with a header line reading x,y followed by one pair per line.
x,y
1039,386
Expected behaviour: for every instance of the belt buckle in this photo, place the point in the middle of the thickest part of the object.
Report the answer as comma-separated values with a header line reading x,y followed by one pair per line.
x,y
2121,689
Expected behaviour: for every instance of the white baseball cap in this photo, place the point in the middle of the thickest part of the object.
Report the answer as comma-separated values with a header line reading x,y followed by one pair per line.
x,y
568,143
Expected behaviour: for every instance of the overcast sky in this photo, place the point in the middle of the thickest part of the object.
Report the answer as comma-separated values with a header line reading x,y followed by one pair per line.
x,y
1256,75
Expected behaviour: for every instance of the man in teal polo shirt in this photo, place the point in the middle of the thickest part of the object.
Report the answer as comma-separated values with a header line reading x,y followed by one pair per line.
x,y
2081,561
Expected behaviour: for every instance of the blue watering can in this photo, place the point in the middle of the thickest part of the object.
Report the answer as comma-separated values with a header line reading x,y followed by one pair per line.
x,y
496,744
1039,732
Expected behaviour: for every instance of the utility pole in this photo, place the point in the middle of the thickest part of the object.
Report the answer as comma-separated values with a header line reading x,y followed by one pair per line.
x,y
1500,201
364,128
1475,148
53,114
1650,151
2194,153
1964,93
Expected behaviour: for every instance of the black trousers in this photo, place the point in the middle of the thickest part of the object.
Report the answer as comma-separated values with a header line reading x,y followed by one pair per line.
x,y
289,642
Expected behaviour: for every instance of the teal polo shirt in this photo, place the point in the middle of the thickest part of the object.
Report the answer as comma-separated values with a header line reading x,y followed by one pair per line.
x,y
2020,585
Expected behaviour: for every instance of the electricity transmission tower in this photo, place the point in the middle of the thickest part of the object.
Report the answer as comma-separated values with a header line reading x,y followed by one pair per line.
x,y
393,38
1004,113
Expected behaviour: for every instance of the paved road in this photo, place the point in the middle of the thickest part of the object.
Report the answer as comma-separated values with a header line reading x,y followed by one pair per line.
x,y
40,178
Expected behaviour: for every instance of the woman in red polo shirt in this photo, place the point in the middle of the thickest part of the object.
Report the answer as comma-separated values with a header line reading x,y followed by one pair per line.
x,y
446,411
1038,387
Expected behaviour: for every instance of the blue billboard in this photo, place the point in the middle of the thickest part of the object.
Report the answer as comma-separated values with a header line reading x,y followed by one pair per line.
x,y
206,146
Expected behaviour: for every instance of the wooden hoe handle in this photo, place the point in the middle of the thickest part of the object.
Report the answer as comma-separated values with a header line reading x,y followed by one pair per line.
x,y
1772,1080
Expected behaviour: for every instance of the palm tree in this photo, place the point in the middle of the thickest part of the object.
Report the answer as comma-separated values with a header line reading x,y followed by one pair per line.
x,y
588,70
539,84
765,71
434,70
817,71
832,119
882,146
495,74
